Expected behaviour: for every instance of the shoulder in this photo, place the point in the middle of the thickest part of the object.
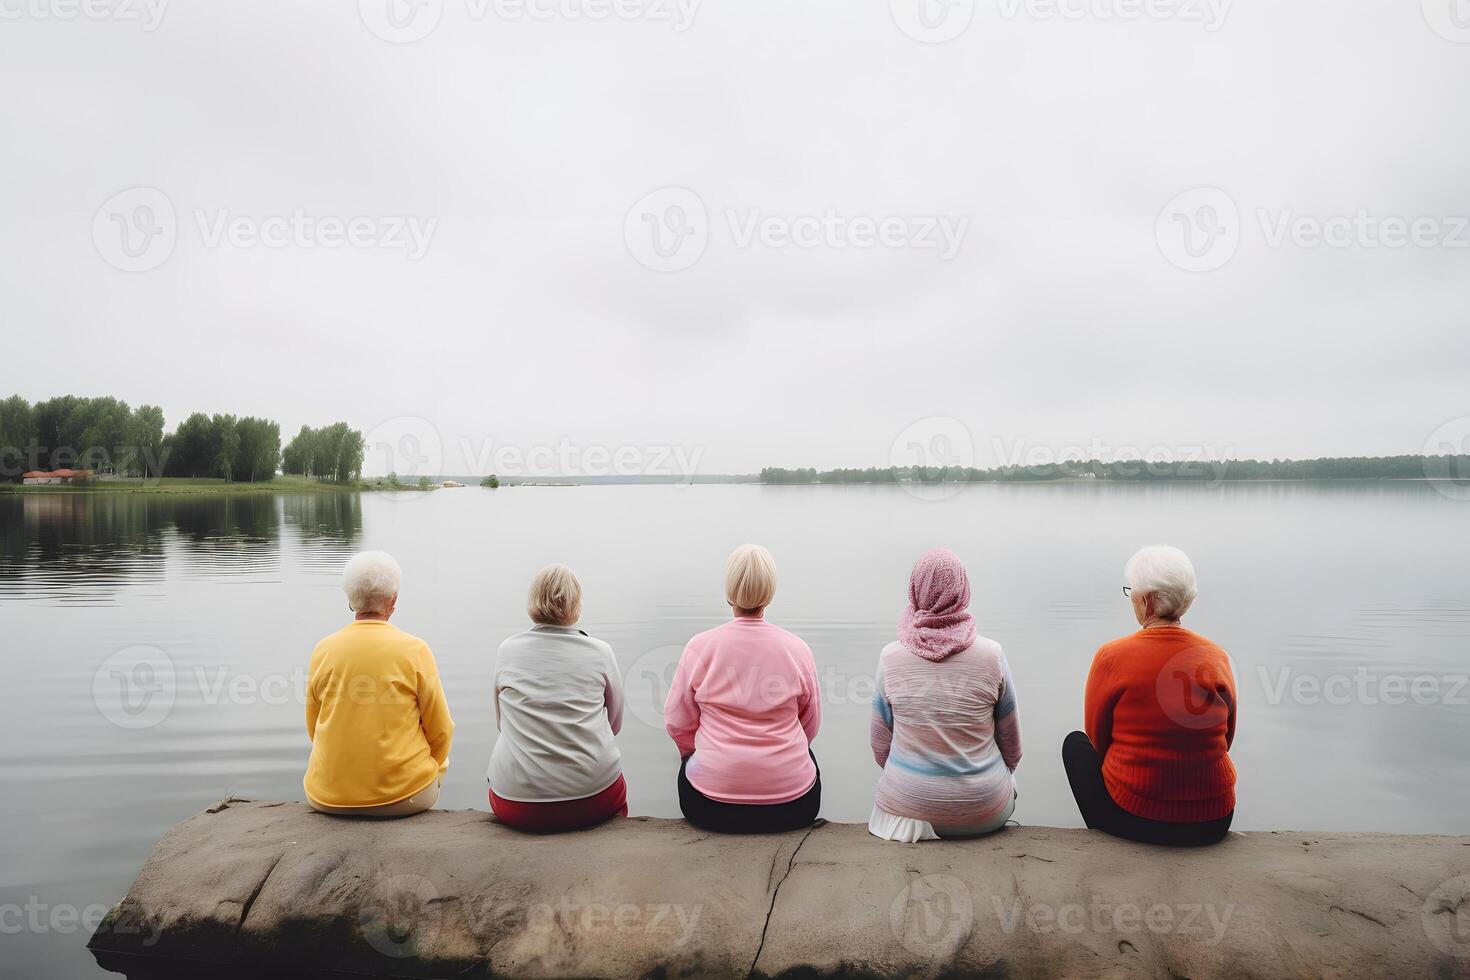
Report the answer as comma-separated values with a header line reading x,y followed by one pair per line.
x,y
414,645
787,637
986,648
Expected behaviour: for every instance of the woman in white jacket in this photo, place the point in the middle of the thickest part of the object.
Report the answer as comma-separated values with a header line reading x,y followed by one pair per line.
x,y
558,704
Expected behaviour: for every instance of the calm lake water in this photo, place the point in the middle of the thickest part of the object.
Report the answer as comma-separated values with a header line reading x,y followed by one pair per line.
x,y
156,645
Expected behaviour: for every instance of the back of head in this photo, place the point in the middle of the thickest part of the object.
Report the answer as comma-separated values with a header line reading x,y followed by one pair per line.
x,y
750,578
555,598
1166,573
371,580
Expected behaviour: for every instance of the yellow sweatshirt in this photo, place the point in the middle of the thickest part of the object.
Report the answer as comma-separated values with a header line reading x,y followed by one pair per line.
x,y
376,714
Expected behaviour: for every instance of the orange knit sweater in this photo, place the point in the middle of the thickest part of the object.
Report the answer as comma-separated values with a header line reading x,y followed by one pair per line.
x,y
1161,712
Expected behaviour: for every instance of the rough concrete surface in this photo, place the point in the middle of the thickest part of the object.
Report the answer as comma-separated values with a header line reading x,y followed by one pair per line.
x,y
275,886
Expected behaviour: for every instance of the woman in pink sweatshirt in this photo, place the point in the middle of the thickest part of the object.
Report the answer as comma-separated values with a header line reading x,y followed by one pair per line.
x,y
743,710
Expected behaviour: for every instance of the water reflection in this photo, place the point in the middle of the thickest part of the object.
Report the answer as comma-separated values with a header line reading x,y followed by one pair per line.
x,y
83,548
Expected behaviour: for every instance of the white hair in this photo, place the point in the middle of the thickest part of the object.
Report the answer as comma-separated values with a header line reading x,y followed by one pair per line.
x,y
555,598
750,578
371,580
1167,574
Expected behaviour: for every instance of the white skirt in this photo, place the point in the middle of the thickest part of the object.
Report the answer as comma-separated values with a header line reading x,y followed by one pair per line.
x,y
905,830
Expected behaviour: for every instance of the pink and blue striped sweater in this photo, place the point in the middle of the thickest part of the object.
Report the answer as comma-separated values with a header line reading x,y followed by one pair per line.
x,y
946,733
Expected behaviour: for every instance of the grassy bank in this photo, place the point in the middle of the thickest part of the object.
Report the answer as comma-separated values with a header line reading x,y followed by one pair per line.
x,y
173,484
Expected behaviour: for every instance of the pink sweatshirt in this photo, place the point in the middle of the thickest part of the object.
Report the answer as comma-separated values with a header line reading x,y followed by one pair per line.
x,y
745,704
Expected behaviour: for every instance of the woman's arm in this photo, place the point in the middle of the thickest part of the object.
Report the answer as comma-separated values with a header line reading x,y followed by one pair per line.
x,y
612,692
681,711
809,699
880,728
1007,719
1097,709
434,716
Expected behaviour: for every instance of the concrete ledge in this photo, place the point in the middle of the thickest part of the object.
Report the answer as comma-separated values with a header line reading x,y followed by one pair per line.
x,y
274,886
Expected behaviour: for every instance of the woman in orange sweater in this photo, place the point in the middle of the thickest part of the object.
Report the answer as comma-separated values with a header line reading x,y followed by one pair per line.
x,y
1154,764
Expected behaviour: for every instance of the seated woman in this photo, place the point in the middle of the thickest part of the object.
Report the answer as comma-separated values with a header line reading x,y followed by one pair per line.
x,y
743,710
558,704
375,710
945,729
1154,765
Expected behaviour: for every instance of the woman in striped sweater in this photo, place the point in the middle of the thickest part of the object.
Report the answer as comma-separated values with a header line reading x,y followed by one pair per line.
x,y
945,728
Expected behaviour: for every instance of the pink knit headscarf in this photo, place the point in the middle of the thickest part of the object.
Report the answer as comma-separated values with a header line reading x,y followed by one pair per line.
x,y
937,622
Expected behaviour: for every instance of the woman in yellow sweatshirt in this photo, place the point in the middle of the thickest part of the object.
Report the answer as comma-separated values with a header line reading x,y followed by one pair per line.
x,y
375,710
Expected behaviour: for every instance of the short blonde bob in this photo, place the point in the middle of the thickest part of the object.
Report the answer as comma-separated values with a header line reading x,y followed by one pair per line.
x,y
750,578
555,598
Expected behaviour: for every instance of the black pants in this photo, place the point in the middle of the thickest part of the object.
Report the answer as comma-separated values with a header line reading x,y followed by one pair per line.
x,y
1100,812
749,818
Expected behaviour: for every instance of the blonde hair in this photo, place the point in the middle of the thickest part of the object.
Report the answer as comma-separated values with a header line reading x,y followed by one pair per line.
x,y
750,578
555,598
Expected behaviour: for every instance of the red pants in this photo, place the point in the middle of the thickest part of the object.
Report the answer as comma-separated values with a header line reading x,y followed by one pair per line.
x,y
549,818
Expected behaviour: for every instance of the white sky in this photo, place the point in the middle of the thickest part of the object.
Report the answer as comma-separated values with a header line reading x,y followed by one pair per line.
x,y
1060,322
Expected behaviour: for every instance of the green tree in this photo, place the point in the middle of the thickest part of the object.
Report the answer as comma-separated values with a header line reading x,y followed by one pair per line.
x,y
17,437
491,481
424,483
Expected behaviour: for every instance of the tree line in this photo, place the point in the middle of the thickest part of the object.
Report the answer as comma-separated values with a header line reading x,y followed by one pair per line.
x,y
1137,470
108,436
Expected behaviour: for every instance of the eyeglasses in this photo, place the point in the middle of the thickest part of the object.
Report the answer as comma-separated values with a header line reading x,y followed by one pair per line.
x,y
1127,591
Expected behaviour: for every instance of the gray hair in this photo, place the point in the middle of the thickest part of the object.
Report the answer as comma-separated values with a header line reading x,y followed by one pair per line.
x,y
1167,574
371,580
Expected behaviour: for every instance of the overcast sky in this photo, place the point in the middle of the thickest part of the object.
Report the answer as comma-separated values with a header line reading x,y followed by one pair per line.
x,y
872,239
